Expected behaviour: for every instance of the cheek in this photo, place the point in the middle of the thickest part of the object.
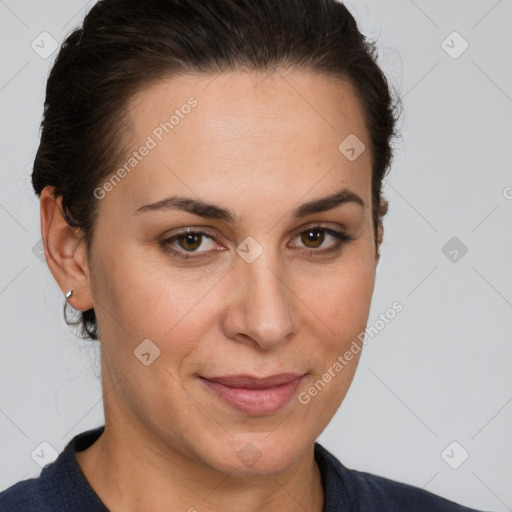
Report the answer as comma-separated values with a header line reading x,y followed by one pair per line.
x,y
147,298
341,295
341,302
153,300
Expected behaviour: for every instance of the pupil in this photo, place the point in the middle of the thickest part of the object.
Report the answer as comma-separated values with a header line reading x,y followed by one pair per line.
x,y
192,241
314,236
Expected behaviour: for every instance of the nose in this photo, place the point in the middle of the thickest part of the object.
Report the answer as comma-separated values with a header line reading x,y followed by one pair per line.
x,y
261,309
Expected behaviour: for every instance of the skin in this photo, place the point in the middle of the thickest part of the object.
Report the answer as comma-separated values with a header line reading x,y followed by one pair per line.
x,y
260,147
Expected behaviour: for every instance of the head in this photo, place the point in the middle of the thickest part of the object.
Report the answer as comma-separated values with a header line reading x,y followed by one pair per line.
x,y
210,176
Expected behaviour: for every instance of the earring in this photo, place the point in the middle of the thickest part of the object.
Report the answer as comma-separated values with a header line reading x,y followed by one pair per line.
x,y
69,293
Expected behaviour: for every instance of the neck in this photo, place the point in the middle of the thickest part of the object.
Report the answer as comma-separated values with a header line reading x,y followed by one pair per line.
x,y
131,470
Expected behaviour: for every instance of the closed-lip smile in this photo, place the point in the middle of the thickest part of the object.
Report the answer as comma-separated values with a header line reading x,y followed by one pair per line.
x,y
255,395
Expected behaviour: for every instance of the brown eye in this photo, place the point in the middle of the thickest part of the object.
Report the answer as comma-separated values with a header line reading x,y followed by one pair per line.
x,y
190,241
190,244
313,238
320,240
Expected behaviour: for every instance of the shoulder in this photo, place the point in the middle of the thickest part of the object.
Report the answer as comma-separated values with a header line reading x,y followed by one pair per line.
x,y
61,486
23,496
349,489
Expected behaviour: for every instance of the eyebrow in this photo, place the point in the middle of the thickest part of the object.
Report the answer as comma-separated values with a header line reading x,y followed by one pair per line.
x,y
212,211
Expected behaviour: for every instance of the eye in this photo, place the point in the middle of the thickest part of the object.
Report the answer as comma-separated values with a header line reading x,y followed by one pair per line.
x,y
188,242
313,239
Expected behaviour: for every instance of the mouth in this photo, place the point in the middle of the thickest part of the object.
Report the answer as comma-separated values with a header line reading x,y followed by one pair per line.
x,y
254,395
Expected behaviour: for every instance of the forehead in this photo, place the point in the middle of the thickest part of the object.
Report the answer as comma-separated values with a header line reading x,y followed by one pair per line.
x,y
244,126
236,100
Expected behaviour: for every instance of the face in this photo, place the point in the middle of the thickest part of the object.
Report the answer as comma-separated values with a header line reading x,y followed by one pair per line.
x,y
240,246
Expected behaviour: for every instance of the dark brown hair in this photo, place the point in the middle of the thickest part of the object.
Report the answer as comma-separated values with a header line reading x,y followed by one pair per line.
x,y
125,45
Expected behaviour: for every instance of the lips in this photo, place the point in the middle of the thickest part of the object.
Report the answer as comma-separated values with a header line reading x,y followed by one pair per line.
x,y
244,381
255,395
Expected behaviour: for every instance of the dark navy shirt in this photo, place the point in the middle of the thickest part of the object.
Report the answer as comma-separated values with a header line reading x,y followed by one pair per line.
x,y
63,487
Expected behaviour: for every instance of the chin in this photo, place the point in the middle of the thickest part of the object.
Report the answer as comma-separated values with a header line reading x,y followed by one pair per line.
x,y
257,454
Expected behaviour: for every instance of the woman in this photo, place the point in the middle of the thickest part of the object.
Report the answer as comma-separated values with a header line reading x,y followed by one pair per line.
x,y
210,182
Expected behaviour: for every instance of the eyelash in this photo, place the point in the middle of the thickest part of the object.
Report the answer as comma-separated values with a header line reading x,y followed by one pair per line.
x,y
340,236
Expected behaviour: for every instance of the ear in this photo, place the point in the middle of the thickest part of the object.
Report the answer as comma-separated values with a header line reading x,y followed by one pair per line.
x,y
380,237
65,252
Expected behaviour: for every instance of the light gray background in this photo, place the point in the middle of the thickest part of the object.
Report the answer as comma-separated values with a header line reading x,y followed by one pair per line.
x,y
439,372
